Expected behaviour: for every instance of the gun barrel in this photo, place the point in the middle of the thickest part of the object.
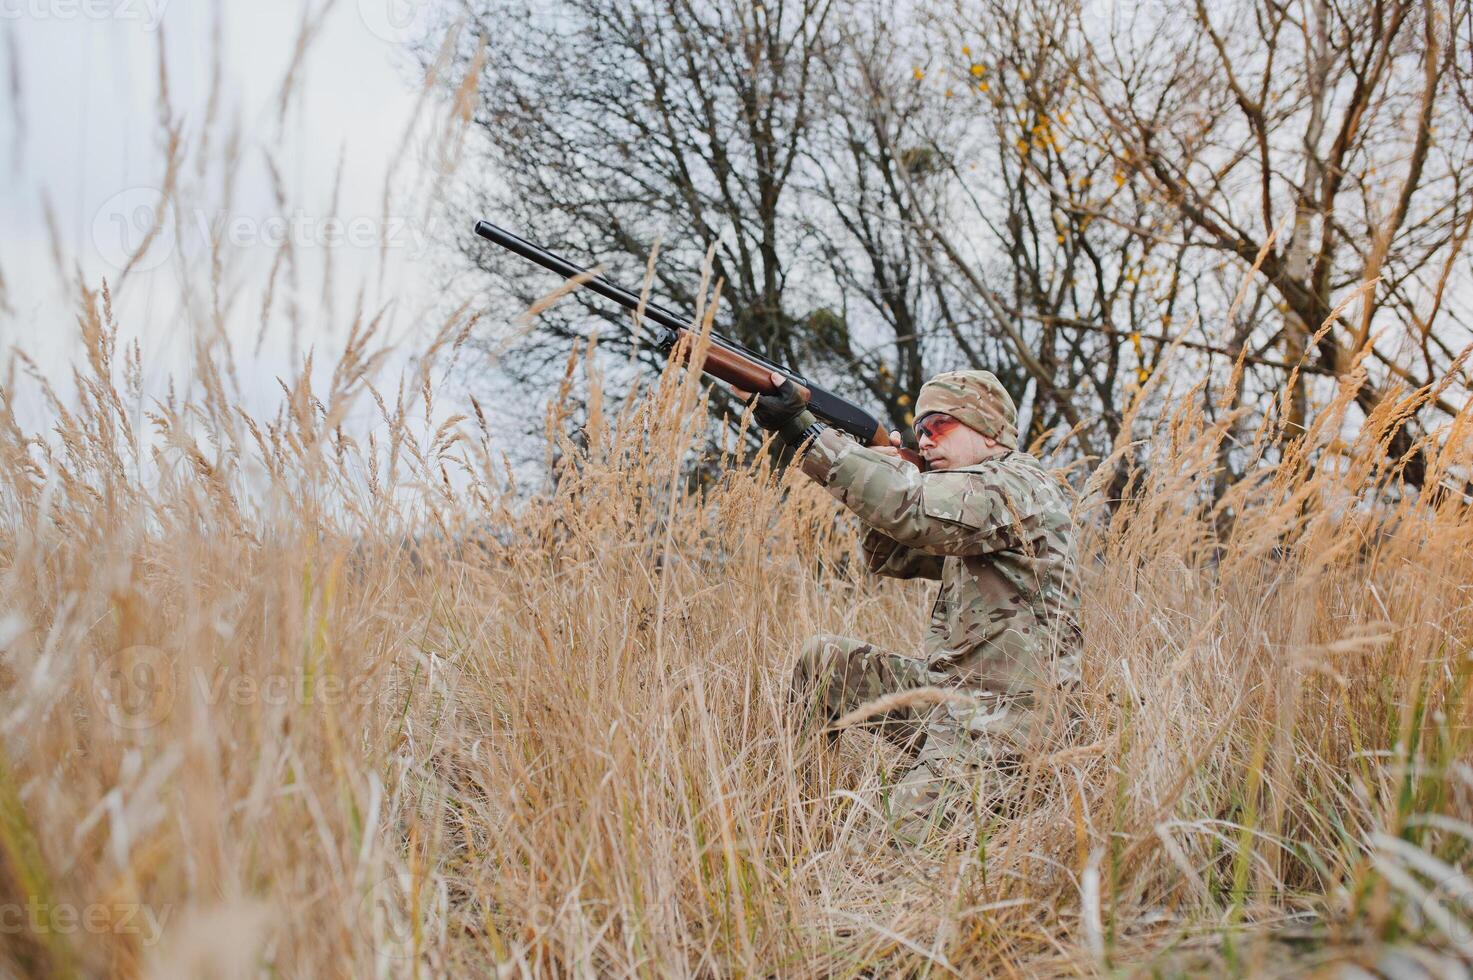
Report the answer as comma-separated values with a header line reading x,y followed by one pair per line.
x,y
726,359
556,263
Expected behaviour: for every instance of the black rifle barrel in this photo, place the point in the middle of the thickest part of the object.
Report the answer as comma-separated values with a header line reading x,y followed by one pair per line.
x,y
556,263
832,408
654,312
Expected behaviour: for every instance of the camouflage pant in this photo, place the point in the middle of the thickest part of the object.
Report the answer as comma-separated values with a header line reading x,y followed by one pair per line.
x,y
951,766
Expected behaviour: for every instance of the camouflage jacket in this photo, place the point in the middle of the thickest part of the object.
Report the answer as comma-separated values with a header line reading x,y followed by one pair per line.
x,y
997,535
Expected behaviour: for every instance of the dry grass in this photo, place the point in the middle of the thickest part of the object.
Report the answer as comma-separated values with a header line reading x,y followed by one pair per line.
x,y
329,707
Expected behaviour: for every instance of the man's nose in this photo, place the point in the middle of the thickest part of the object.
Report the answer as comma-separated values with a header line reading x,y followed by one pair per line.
x,y
924,440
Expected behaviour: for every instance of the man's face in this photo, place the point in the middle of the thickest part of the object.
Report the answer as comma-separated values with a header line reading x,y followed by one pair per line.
x,y
948,444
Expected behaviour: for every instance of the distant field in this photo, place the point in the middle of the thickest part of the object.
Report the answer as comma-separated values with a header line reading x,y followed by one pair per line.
x,y
250,729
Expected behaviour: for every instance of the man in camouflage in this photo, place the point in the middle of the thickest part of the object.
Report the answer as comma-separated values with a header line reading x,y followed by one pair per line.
x,y
993,527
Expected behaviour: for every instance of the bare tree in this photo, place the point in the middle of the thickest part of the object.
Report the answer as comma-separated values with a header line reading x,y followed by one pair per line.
x,y
875,155
726,129
1342,121
1058,191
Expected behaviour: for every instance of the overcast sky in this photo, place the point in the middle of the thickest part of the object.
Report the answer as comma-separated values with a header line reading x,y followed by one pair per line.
x,y
80,133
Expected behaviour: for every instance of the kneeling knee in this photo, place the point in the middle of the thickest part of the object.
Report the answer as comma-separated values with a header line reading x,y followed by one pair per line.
x,y
813,659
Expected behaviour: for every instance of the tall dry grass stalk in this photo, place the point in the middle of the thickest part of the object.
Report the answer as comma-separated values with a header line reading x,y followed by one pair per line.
x,y
278,700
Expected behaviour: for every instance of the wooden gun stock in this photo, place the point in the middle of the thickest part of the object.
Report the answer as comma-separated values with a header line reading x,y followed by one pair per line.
x,y
736,370
747,375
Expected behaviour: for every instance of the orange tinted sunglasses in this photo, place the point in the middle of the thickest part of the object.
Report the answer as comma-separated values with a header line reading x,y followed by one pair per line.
x,y
934,426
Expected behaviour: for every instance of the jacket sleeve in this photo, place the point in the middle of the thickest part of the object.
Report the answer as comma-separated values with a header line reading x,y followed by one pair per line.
x,y
945,513
885,556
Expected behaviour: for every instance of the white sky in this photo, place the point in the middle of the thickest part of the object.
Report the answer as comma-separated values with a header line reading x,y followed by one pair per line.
x,y
79,131
82,133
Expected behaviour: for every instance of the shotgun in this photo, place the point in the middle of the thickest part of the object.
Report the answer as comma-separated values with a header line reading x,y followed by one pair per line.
x,y
726,360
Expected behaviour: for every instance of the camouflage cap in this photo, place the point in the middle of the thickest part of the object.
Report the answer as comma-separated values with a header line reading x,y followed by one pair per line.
x,y
976,399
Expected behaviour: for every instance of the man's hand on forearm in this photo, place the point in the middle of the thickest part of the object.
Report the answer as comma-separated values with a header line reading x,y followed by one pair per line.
x,y
783,411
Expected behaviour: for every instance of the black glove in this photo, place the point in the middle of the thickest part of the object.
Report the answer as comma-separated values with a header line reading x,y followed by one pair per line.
x,y
785,412
776,409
